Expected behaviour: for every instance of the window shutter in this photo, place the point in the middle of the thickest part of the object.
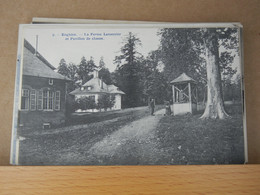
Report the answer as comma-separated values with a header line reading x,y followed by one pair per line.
x,y
33,99
57,100
25,99
39,103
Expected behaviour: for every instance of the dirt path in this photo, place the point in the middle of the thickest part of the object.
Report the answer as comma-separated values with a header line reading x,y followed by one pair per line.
x,y
134,143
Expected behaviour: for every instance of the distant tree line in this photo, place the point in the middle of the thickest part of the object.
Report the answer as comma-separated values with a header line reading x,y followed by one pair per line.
x,y
80,74
207,55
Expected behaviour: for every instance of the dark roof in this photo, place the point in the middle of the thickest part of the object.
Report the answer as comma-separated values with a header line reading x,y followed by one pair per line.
x,y
40,57
34,64
95,88
183,78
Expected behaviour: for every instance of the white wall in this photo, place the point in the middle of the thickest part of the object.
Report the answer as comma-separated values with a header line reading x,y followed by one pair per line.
x,y
79,96
117,105
181,108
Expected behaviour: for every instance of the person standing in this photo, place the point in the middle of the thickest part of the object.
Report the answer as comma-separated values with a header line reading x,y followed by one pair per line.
x,y
168,110
152,106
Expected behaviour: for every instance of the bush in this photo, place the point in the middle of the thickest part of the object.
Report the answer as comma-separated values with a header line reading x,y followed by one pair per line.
x,y
71,105
85,103
105,101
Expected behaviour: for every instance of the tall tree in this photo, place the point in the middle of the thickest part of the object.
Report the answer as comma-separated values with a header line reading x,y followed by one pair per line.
x,y
85,68
181,53
103,72
217,64
196,52
215,104
73,75
63,68
73,72
127,73
101,62
154,82
69,71
91,64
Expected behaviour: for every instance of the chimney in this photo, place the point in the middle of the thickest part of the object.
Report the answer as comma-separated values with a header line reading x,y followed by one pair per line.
x,y
36,45
101,83
95,73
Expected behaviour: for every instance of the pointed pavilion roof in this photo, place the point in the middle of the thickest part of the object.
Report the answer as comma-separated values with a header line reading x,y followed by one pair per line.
x,y
183,78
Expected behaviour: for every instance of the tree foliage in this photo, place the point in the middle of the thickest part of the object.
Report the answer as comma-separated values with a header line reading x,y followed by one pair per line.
x,y
85,103
63,68
181,50
85,68
69,71
105,101
128,72
79,74
215,104
180,53
195,52
101,63
154,82
104,73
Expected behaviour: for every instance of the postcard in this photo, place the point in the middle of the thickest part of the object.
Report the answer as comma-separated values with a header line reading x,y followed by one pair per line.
x,y
129,94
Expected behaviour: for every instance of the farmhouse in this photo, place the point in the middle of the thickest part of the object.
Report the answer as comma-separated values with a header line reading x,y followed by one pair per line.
x,y
43,92
95,87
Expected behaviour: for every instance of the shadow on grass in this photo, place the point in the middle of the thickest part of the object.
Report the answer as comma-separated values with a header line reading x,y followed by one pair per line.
x,y
189,140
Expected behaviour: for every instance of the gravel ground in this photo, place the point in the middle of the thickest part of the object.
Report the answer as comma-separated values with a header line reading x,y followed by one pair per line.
x,y
133,144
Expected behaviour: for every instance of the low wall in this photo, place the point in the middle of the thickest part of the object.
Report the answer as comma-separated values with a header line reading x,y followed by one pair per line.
x,y
35,119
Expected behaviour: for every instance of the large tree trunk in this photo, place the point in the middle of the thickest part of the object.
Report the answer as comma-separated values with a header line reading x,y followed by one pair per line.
x,y
215,106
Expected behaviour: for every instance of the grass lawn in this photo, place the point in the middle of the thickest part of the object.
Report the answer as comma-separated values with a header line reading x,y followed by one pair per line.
x,y
189,140
67,145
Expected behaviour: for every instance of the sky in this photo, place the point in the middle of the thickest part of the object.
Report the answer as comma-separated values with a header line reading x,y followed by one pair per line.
x,y
52,43
72,43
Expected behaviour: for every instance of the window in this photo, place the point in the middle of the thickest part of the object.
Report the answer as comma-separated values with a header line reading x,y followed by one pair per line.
x,y
42,100
47,100
39,101
33,100
57,100
25,99
89,88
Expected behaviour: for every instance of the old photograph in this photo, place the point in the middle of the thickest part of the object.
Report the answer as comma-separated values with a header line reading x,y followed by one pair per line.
x,y
129,94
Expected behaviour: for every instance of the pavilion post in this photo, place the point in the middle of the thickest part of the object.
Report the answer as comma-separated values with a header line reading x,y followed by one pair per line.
x,y
189,87
173,94
196,94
